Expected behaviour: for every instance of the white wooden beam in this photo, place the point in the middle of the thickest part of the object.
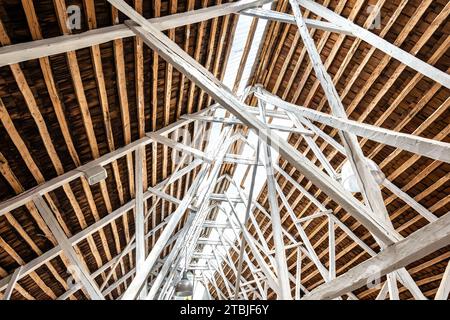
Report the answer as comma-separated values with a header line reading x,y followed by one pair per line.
x,y
378,42
168,197
24,197
425,241
80,274
12,283
47,47
288,18
231,121
410,201
180,146
194,71
427,147
298,274
331,249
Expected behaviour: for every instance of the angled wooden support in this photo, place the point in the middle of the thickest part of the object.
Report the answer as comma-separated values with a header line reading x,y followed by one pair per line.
x,y
280,254
137,283
271,278
247,214
179,146
80,274
410,201
168,263
417,245
312,253
433,149
369,188
139,213
315,148
168,197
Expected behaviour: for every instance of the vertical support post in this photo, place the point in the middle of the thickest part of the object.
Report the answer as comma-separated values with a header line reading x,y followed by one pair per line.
x,y
139,212
369,188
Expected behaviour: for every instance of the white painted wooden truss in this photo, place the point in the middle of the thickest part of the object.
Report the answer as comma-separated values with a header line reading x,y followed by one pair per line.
x,y
267,267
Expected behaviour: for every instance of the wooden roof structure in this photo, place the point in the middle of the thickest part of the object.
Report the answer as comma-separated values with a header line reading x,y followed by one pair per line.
x,y
115,95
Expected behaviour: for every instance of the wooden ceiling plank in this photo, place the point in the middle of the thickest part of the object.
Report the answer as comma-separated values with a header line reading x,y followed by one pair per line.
x,y
48,78
273,27
103,97
187,36
139,86
198,45
154,107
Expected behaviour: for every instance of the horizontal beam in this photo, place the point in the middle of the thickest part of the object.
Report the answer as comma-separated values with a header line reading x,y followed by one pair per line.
x,y
425,241
56,45
168,197
288,18
206,241
379,43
